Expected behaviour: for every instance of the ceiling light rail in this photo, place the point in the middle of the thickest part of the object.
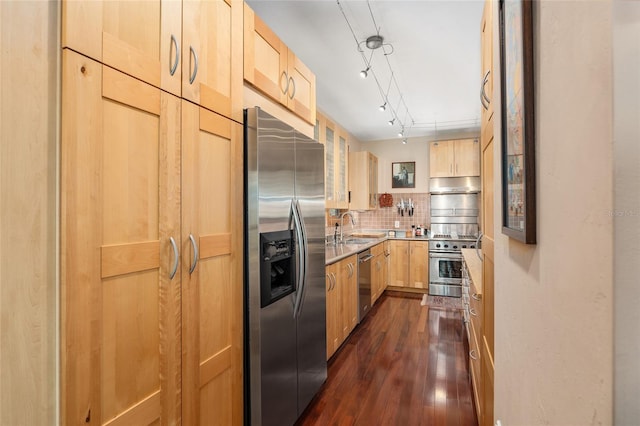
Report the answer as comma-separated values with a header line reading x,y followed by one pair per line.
x,y
373,43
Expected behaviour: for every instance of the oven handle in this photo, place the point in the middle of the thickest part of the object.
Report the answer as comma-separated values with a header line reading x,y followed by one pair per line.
x,y
442,255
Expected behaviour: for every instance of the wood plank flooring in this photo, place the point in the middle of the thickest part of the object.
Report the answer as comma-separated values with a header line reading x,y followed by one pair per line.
x,y
403,365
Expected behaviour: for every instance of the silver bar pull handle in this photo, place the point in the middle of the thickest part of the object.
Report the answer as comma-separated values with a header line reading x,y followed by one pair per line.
x,y
472,354
476,296
292,94
195,65
477,244
174,268
196,254
301,256
174,42
286,79
473,312
483,95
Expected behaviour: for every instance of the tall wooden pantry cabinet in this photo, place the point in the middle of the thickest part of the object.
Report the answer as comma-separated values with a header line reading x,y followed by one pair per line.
x,y
151,184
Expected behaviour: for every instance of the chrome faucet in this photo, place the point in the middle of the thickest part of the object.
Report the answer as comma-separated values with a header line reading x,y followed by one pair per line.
x,y
353,221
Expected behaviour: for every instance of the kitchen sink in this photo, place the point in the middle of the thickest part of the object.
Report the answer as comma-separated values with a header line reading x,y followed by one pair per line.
x,y
359,240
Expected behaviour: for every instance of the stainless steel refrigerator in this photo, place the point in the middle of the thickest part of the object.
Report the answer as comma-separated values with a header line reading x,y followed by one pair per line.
x,y
285,281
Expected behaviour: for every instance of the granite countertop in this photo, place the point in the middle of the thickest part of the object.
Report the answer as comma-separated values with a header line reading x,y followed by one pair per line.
x,y
336,252
474,265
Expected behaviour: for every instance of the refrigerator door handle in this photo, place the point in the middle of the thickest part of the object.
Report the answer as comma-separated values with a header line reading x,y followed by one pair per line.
x,y
301,296
294,217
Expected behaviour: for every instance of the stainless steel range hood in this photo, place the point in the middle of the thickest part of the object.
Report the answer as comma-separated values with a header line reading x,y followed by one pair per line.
x,y
455,185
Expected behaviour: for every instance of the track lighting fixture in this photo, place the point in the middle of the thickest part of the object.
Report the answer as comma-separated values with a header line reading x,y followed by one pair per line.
x,y
401,132
404,141
366,49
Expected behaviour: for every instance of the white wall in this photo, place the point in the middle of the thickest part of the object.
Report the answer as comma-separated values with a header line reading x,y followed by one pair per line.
x,y
553,300
626,105
393,151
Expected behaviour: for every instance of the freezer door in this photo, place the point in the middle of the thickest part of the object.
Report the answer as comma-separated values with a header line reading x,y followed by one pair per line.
x,y
311,325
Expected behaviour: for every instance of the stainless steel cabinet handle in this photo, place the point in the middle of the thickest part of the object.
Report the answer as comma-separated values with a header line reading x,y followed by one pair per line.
x,y
476,297
174,269
477,244
195,65
335,280
483,95
329,280
472,354
292,94
286,78
172,68
194,261
473,312
351,270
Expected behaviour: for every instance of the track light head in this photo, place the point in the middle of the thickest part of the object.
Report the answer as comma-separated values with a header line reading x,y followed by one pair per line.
x,y
393,120
401,133
364,72
404,141
383,106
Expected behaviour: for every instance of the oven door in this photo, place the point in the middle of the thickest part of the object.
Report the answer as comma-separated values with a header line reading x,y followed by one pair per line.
x,y
445,274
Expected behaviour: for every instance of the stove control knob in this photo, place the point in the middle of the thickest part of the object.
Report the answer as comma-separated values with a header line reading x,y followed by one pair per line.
x,y
438,245
455,247
472,246
446,246
464,246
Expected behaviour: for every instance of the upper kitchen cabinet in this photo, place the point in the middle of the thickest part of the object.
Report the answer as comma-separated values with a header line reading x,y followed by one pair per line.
x,y
460,157
212,55
363,181
192,49
336,147
486,38
275,70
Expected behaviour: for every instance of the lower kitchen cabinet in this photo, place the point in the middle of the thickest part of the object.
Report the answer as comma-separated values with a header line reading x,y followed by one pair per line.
x,y
151,257
342,301
409,264
378,279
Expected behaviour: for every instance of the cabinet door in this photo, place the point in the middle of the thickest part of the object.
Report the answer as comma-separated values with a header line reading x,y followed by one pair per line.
x,y
212,55
333,309
139,38
341,170
373,181
486,38
419,269
399,273
467,157
265,58
211,260
348,297
441,157
330,165
120,207
301,91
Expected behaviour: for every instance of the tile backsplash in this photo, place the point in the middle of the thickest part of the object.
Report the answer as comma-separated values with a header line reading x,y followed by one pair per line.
x,y
385,217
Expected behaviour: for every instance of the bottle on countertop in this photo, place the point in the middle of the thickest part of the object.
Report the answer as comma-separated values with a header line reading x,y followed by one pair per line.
x,y
419,231
413,230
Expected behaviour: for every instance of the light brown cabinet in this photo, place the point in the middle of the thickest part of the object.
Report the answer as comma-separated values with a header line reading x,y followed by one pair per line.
x,y
275,70
486,334
379,272
336,149
363,181
409,264
149,249
190,48
460,157
341,301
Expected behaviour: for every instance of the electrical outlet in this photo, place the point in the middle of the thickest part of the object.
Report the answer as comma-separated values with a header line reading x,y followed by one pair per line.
x,y
396,224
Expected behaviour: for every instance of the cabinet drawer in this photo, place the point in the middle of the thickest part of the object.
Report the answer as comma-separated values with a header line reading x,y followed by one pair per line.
x,y
474,367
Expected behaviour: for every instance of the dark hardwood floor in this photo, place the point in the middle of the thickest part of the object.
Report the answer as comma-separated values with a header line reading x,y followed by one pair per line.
x,y
403,365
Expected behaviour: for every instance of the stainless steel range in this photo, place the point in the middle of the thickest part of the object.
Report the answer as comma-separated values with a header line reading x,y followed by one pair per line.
x,y
454,226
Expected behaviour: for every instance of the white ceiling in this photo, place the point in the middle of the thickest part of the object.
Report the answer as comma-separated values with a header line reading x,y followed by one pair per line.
x,y
435,60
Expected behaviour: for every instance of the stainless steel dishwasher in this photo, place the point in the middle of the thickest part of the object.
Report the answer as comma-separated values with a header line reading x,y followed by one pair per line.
x,y
364,283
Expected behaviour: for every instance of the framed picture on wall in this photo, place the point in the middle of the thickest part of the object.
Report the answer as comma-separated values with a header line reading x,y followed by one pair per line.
x,y
518,138
403,175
